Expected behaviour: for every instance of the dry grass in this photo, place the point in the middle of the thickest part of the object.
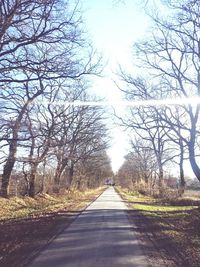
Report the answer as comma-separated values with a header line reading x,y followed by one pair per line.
x,y
26,207
27,224
175,225
194,194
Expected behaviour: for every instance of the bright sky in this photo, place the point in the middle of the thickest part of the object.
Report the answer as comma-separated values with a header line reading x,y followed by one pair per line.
x,y
113,28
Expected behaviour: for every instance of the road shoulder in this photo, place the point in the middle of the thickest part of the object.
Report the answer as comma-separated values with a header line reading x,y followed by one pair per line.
x,y
22,239
158,250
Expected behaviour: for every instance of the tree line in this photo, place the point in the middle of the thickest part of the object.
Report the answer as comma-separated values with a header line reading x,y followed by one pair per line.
x,y
44,62
169,59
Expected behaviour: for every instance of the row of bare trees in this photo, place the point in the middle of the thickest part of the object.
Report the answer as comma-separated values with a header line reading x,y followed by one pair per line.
x,y
139,170
65,140
44,59
170,58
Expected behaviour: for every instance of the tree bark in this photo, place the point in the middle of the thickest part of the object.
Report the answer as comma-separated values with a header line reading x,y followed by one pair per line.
x,y
192,160
31,192
7,170
160,176
10,162
61,165
181,189
70,175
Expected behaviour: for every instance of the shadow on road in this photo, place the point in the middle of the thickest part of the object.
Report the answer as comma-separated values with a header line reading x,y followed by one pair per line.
x,y
99,237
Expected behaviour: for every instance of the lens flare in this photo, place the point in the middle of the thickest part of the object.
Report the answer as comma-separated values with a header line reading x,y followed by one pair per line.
x,y
153,102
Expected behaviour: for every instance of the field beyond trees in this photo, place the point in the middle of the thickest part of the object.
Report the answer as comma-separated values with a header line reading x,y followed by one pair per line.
x,y
171,227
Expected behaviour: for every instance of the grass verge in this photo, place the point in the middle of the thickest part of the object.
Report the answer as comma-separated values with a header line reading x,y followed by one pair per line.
x,y
27,225
173,226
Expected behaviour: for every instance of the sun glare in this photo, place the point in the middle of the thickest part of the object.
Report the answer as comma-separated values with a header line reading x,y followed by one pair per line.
x,y
164,102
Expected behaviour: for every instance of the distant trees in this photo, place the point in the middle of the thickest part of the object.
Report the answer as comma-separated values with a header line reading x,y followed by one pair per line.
x,y
139,170
170,57
83,134
43,57
145,123
93,170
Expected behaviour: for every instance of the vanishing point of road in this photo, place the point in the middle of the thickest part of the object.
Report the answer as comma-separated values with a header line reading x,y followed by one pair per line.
x,y
100,237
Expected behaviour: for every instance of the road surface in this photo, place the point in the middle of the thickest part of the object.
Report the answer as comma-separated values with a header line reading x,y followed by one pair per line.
x,y
100,237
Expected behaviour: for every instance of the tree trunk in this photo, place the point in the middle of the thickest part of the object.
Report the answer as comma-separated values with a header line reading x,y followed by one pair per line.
x,y
70,175
78,185
192,160
43,177
10,162
56,186
59,170
7,170
161,182
26,178
160,177
6,176
31,192
181,189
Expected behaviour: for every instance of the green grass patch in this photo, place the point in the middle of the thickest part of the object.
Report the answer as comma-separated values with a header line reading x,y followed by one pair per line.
x,y
175,219
164,209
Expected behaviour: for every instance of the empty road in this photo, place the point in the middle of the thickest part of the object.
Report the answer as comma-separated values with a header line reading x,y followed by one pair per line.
x,y
100,237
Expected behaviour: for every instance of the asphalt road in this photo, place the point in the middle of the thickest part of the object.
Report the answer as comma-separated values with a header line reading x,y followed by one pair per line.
x,y
100,237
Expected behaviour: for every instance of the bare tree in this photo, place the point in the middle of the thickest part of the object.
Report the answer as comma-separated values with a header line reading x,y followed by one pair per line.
x,y
79,140
145,122
94,170
128,175
146,161
167,114
139,169
39,44
173,54
41,126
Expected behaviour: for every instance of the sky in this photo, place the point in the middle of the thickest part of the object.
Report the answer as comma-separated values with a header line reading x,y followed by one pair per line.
x,y
113,26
